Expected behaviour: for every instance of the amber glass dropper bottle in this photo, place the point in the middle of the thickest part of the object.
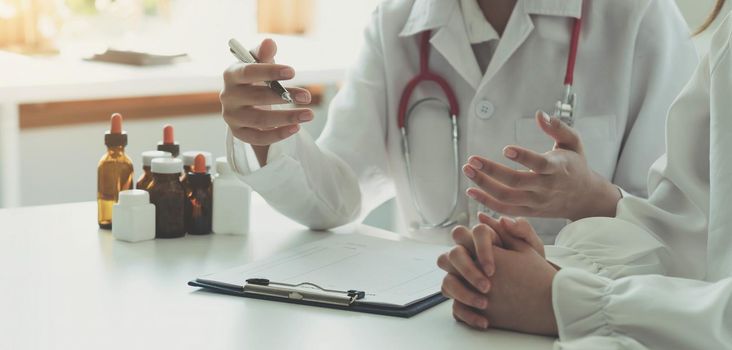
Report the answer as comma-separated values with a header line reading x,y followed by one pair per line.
x,y
114,172
199,196
168,144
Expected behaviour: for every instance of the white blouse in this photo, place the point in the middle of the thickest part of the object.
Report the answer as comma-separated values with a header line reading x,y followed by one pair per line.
x,y
600,298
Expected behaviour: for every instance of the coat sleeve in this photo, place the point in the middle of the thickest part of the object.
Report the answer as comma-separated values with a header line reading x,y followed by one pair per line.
x,y
666,233
343,175
663,61
640,312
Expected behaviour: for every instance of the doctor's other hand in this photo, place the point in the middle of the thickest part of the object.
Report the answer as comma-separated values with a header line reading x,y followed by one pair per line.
x,y
246,101
557,184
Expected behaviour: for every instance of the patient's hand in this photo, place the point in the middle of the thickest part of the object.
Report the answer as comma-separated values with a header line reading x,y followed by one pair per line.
x,y
521,297
497,272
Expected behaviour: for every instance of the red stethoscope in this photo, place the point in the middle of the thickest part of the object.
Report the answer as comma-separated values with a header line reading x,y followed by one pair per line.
x,y
564,110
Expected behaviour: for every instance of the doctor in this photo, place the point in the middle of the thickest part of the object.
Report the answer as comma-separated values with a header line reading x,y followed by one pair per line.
x,y
498,62
684,231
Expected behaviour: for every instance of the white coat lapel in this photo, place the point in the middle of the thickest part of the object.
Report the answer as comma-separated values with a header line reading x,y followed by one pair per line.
x,y
449,37
451,41
521,25
517,30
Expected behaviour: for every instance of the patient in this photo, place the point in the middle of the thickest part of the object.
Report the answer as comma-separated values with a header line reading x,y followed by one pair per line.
x,y
658,276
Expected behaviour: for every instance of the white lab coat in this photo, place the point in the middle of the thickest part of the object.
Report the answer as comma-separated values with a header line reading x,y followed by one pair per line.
x,y
681,231
634,58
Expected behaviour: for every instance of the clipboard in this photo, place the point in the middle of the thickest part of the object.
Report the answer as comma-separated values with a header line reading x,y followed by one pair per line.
x,y
391,278
403,312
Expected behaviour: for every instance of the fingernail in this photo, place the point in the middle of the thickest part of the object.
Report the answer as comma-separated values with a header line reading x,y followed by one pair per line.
x,y
287,73
507,221
489,271
305,117
484,324
485,286
476,163
302,97
293,129
510,153
471,193
482,303
469,172
545,117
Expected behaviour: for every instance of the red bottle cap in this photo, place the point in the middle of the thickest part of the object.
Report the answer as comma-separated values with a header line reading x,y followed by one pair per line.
x,y
199,164
168,137
115,137
116,124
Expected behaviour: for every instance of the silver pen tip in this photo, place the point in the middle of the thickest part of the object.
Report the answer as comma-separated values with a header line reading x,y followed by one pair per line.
x,y
287,97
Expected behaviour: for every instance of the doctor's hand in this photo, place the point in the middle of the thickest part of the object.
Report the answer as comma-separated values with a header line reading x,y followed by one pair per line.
x,y
558,183
246,102
470,266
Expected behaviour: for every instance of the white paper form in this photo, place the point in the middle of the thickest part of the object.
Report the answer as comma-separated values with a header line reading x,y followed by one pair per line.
x,y
395,273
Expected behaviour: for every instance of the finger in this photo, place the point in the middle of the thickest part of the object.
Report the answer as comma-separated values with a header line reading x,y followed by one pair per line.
x,y
538,163
472,318
456,288
249,73
484,241
505,175
462,261
266,51
521,228
499,191
264,119
564,136
443,262
259,95
264,137
462,236
512,241
491,202
486,219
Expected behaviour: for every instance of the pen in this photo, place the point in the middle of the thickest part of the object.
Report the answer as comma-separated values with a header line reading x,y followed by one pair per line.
x,y
243,55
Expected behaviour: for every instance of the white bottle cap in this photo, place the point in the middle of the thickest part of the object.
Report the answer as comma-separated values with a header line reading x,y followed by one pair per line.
x,y
222,166
148,156
190,157
167,166
131,198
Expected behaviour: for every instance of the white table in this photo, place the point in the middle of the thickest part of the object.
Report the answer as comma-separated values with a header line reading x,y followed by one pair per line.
x,y
35,80
68,285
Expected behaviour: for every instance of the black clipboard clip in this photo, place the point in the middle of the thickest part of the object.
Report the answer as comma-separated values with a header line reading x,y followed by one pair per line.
x,y
305,291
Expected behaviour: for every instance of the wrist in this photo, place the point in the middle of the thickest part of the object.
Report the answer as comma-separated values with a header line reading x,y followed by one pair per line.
x,y
601,201
548,298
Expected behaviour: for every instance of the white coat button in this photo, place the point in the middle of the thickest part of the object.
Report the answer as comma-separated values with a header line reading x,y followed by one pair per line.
x,y
484,109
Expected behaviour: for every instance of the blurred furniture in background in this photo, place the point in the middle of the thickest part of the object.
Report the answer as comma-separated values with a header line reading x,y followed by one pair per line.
x,y
285,16
28,26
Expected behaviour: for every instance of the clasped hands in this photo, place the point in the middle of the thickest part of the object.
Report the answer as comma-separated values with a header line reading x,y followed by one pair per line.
x,y
498,277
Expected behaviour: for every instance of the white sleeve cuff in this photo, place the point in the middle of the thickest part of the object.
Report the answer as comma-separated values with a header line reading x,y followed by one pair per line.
x,y
280,162
244,161
608,247
579,300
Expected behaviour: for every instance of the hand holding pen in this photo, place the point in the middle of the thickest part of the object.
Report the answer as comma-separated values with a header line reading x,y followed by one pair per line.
x,y
250,89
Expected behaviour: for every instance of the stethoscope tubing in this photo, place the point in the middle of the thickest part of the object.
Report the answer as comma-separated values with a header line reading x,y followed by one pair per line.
x,y
426,75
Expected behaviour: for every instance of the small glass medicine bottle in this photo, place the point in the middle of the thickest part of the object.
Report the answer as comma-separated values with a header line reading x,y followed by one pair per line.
x,y
188,160
199,205
114,172
168,143
146,178
167,193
